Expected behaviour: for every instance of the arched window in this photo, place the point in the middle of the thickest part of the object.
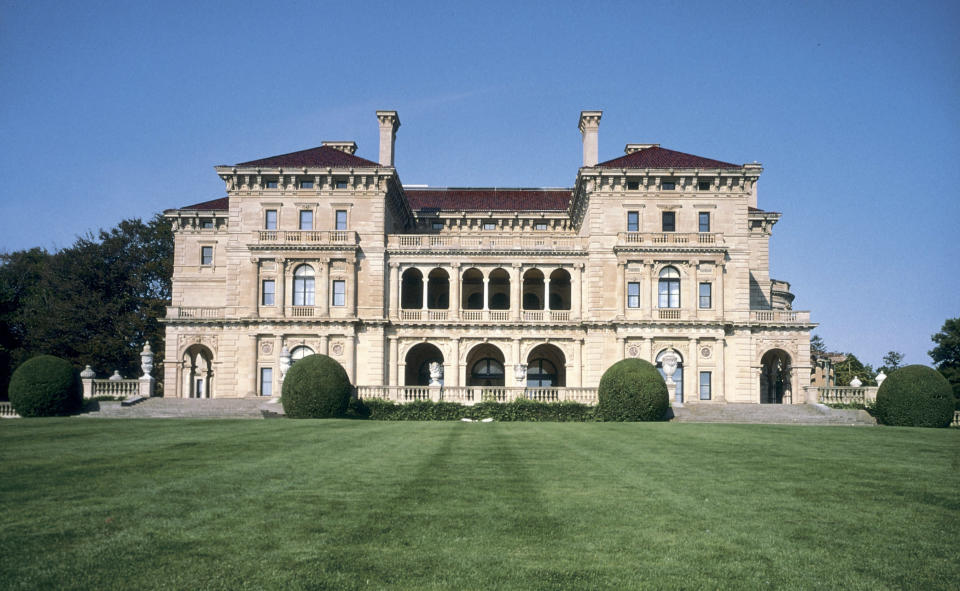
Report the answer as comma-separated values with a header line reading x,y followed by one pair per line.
x,y
487,372
303,286
299,353
669,288
541,374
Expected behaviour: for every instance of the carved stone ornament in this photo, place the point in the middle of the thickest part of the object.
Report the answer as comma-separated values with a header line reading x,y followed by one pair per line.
x,y
266,348
337,349
633,351
855,382
669,362
146,360
436,373
520,373
284,361
705,352
880,377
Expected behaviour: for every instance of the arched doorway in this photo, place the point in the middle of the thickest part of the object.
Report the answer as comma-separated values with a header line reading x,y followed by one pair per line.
x,y
197,366
775,374
471,289
438,290
533,290
411,290
485,366
677,375
418,360
499,290
546,367
299,353
560,290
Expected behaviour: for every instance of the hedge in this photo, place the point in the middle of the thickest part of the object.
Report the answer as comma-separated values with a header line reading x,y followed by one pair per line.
x,y
316,387
915,396
518,410
632,390
45,386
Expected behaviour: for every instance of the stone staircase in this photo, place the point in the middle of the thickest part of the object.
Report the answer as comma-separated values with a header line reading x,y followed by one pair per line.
x,y
774,414
188,408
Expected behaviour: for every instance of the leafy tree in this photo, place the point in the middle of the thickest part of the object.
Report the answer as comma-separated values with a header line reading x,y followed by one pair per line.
x,y
892,361
817,346
851,367
946,355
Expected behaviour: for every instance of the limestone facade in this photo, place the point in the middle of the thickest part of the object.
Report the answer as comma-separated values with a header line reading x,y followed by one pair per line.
x,y
323,251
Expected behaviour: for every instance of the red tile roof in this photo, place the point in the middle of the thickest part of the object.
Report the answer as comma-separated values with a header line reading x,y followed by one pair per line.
x,y
320,157
212,205
489,199
657,157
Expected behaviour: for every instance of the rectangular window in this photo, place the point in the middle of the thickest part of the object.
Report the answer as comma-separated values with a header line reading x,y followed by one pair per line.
x,y
633,221
703,185
271,184
633,185
339,292
269,290
306,184
668,186
706,296
633,295
540,226
341,219
206,224
669,221
306,219
270,219
489,226
706,379
340,184
437,225
266,381
704,221
206,255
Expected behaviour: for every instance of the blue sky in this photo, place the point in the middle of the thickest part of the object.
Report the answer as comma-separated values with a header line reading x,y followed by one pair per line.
x,y
119,110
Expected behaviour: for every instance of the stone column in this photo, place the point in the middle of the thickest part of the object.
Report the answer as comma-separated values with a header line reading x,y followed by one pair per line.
x,y
654,283
454,376
516,291
486,292
577,276
350,288
619,290
349,355
575,375
455,291
324,345
323,286
426,284
546,294
720,379
393,361
282,285
692,394
394,290
621,348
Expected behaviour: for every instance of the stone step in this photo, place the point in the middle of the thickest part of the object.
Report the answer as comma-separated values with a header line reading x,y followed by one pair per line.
x,y
796,414
214,408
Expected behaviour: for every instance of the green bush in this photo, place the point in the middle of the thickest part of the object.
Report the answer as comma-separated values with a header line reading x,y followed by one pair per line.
x,y
45,386
316,387
632,390
518,410
915,396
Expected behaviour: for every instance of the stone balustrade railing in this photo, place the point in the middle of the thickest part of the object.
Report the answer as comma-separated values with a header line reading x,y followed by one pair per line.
x,y
6,411
314,237
474,394
485,315
547,242
847,394
669,238
194,312
780,316
115,388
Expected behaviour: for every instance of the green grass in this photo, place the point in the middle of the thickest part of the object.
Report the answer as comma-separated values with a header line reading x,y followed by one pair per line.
x,y
180,504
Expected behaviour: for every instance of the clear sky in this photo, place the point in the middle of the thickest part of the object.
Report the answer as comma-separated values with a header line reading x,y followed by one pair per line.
x,y
118,110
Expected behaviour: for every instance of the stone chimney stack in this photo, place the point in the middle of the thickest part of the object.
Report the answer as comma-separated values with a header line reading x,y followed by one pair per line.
x,y
589,126
389,124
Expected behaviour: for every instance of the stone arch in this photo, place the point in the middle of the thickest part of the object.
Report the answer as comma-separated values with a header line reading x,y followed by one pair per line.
x,y
546,366
417,364
776,373
485,366
499,289
560,293
471,289
532,296
411,289
197,372
438,289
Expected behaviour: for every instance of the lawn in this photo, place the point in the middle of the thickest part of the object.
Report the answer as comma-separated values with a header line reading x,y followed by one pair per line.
x,y
189,504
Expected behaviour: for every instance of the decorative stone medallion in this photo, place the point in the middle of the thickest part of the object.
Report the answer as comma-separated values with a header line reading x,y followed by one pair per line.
x,y
705,352
266,348
633,351
337,349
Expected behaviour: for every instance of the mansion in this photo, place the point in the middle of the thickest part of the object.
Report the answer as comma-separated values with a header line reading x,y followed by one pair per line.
x,y
466,294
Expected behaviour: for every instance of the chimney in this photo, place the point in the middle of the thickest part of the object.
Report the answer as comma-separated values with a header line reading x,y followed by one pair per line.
x,y
389,123
589,126
348,147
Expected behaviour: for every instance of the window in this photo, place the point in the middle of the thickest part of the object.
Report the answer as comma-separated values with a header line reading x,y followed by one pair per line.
x,y
206,255
268,292
306,219
306,184
270,219
706,296
668,186
669,221
704,221
299,353
339,292
266,381
703,185
540,226
705,382
669,288
633,294
633,221
491,226
633,185
437,225
541,374
341,219
271,184
303,286
340,184
206,224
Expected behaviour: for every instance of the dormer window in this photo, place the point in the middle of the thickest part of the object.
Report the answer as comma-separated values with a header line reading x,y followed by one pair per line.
x,y
206,224
668,186
270,184
633,185
490,226
306,184
703,185
437,225
340,184
540,226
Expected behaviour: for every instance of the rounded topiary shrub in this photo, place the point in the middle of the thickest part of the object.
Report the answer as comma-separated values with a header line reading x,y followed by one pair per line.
x,y
316,387
632,390
915,396
45,386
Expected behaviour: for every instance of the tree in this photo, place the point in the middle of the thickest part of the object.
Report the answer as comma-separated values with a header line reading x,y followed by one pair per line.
x,y
892,361
946,355
817,346
851,367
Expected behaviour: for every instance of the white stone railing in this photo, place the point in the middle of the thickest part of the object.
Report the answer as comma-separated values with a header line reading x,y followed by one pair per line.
x,y
345,237
546,242
486,315
779,316
847,395
674,238
194,312
956,419
117,388
474,394
668,313
6,411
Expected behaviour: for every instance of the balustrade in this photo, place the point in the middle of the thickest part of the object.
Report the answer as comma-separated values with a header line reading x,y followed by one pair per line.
x,y
670,238
194,312
485,242
779,316
6,410
116,388
473,394
307,236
